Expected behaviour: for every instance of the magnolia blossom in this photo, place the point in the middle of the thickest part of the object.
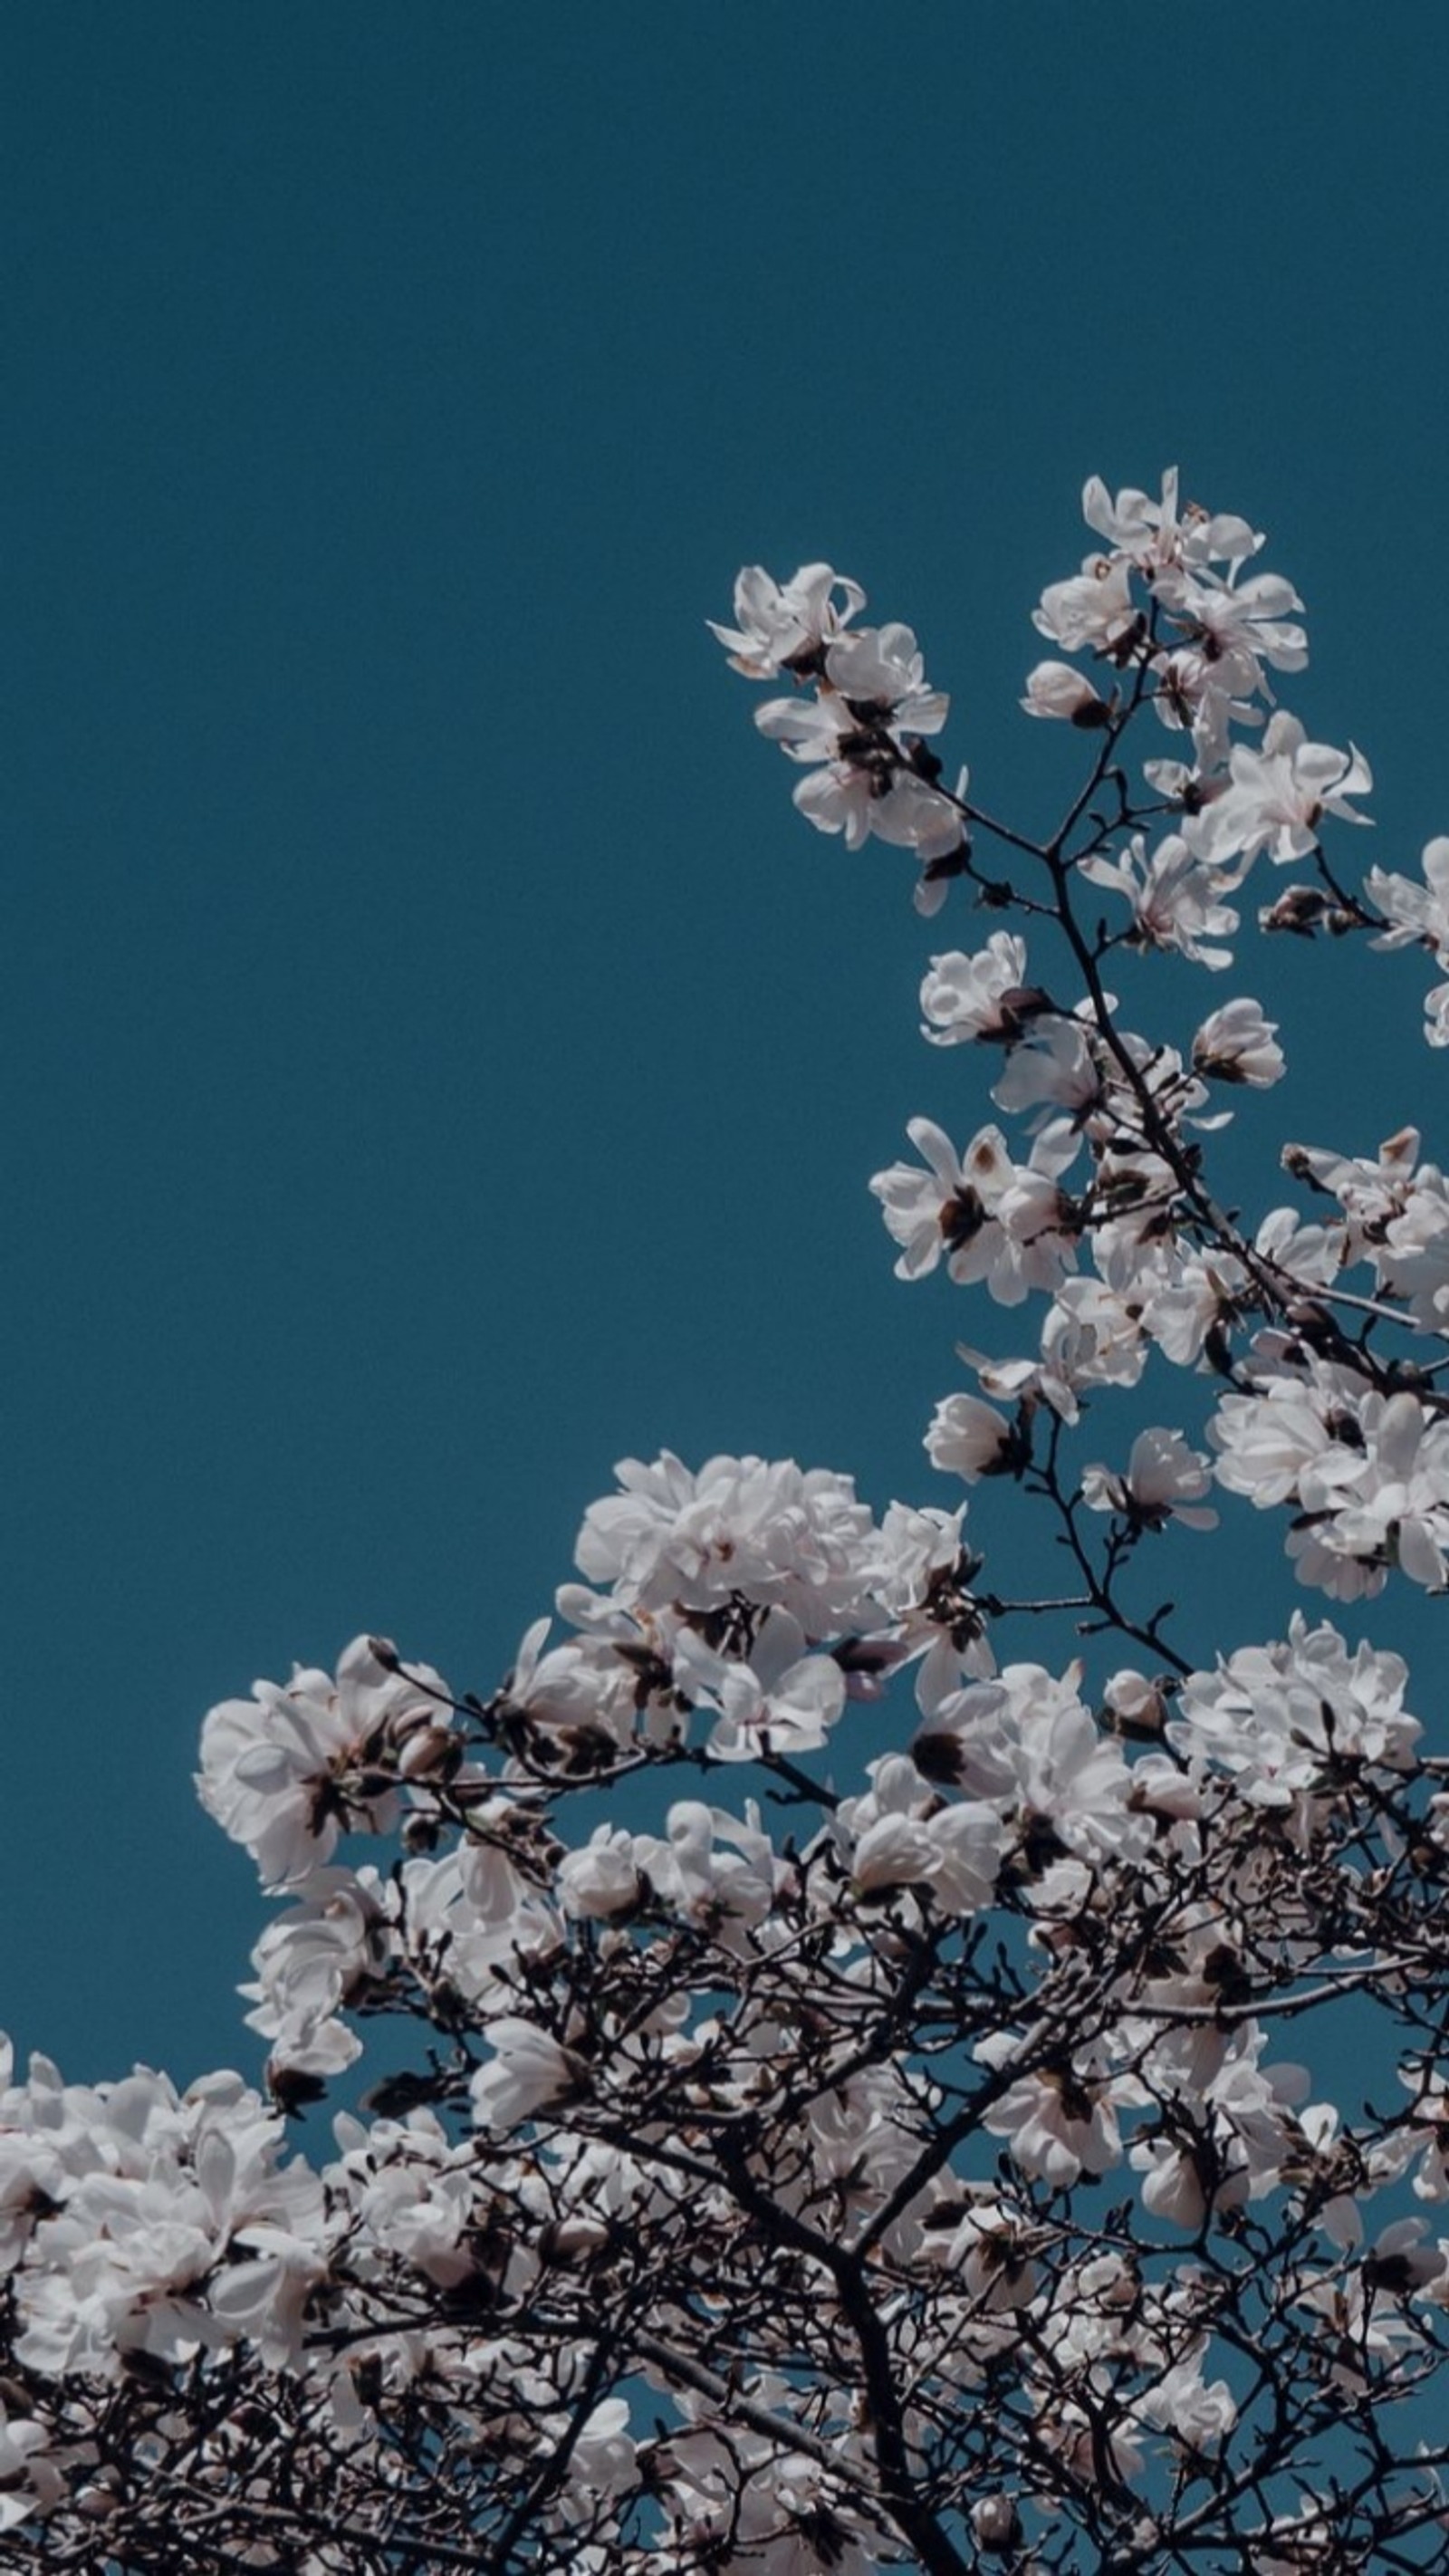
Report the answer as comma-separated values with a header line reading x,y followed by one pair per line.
x,y
879,670
799,1541
1415,913
980,997
906,1836
1198,2414
529,2071
1092,611
1293,1717
716,1869
1175,897
28,2480
1054,689
907,813
1055,1068
994,1220
783,626
780,1701
1277,799
1236,1044
1242,624
1159,535
318,1957
1164,1481
860,735
1419,913
724,2188
1370,1473
293,1767
603,1879
1057,2124
968,1438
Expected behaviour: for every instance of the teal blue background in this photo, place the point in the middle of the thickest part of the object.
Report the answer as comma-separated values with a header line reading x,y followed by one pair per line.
x,y
438,1061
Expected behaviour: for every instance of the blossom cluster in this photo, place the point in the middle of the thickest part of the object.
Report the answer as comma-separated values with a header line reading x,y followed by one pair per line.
x,y
753,1989
1095,1199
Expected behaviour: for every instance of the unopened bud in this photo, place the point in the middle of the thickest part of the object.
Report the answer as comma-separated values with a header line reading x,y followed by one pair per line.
x,y
96,2502
996,2523
1301,910
428,1749
1135,1706
571,2239
1055,689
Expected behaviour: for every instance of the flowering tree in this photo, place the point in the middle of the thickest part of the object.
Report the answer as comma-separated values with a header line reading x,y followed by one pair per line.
x,y
784,2171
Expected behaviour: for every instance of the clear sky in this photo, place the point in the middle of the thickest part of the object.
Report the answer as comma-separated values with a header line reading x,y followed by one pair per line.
x,y
439,1063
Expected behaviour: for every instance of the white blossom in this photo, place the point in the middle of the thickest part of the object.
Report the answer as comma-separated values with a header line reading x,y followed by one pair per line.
x,y
529,2071
1165,1480
1237,1044
785,624
296,1765
1276,800
964,998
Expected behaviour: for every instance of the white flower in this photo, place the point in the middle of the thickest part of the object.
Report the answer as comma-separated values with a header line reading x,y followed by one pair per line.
x,y
1092,611
1291,1717
316,1958
176,2234
783,627
529,2071
1240,624
879,671
1057,2125
712,1868
780,1701
1156,535
1198,2415
1419,913
1055,1069
1164,1481
904,1836
900,809
1236,1044
1091,1337
993,1219
1270,1438
1174,897
1277,799
601,2453
1054,689
970,1439
762,1528
1415,912
581,1691
30,2481
603,1878
860,735
1369,1472
1429,2130
288,1770
974,997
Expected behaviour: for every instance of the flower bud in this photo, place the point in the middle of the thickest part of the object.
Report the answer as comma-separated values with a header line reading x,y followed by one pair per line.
x,y
1055,689
996,2523
428,1749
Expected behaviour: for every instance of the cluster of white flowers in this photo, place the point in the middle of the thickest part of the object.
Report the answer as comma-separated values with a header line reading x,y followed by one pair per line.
x,y
731,2205
864,730
1102,1209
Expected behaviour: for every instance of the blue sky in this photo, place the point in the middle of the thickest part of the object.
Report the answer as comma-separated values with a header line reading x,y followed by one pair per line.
x,y
439,1062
